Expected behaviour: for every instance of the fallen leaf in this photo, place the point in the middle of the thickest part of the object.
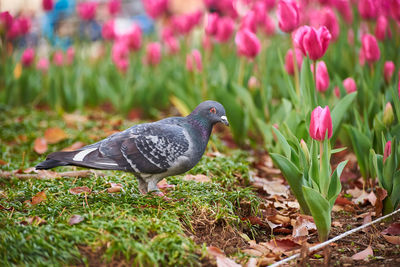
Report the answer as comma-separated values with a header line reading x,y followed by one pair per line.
x,y
264,250
35,220
272,187
279,219
46,174
198,178
75,219
392,239
381,194
343,201
2,162
252,252
252,262
114,188
74,146
363,255
74,118
281,245
302,225
40,145
367,219
54,135
254,220
80,189
361,196
39,197
393,229
214,251
337,224
226,262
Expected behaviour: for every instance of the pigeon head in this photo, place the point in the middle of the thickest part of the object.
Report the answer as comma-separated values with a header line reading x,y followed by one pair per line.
x,y
211,112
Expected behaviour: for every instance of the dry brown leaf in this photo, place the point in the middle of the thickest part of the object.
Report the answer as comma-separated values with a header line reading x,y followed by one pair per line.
x,y
361,196
343,201
74,146
392,239
40,145
337,224
367,219
75,219
381,194
252,262
214,251
114,188
71,119
198,178
223,261
279,219
39,197
2,162
54,135
393,229
363,255
302,225
35,220
46,174
273,187
80,189
281,245
252,252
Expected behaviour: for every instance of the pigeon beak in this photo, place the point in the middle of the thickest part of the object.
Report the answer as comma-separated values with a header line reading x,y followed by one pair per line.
x,y
224,120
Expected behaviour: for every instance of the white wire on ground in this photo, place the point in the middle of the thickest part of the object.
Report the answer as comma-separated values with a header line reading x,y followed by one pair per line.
x,y
319,246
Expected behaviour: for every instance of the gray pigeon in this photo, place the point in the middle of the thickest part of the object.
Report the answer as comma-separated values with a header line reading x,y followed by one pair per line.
x,y
151,151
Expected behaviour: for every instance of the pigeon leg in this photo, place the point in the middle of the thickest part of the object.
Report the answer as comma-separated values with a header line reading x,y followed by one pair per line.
x,y
152,185
142,186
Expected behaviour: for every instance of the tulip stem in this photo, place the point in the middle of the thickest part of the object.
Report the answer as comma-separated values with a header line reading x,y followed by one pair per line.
x,y
296,71
321,150
241,71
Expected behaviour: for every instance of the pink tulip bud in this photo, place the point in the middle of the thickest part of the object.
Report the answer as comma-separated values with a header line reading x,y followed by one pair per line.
x,y
153,53
388,70
47,5
70,55
253,83
107,31
155,8
336,91
120,55
24,24
328,19
260,10
289,60
58,58
370,48
87,10
249,21
388,150
183,24
382,28
288,15
368,9
133,38
322,80
247,43
225,28
321,123
194,60
395,9
312,42
207,43
14,31
212,23
43,65
172,45
27,57
349,85
350,37
269,26
6,21
344,8
114,6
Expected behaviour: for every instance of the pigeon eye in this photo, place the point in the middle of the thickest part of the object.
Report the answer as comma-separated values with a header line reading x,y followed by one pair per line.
x,y
213,110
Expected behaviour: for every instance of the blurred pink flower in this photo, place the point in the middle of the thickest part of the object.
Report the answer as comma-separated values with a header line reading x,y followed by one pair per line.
x,y
153,53
321,123
247,43
14,31
155,8
183,24
322,79
225,28
172,45
269,25
388,70
312,42
370,48
114,6
133,38
328,19
47,5
387,151
336,91
350,37
193,61
223,7
349,85
395,9
289,60
249,21
120,55
344,8
212,23
43,64
6,21
58,58
288,15
368,9
87,10
24,24
260,11
70,55
107,31
27,57
382,28
207,43
166,33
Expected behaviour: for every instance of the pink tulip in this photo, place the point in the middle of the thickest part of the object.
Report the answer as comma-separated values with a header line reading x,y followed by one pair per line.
x,y
387,151
388,70
395,9
249,21
328,19
321,123
260,11
107,31
172,45
87,10
114,6
14,31
70,55
225,28
194,60
247,43
155,8
58,58
312,42
212,23
289,60
349,85
24,24
153,53
47,5
133,38
43,65
183,24
269,26
344,8
27,57
322,80
368,9
207,43
382,28
288,15
223,7
370,48
6,21
336,91
350,37
120,55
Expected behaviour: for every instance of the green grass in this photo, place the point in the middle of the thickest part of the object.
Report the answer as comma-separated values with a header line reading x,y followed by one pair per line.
x,y
124,226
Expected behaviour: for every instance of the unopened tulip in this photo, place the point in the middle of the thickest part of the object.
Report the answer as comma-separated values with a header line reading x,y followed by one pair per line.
x,y
349,85
260,10
107,31
225,28
388,115
289,60
43,65
87,10
269,26
27,57
253,83
304,147
322,80
14,31
370,48
24,24
395,9
153,53
212,23
312,42
58,58
387,151
350,37
172,45
120,55
288,15
321,123
6,20
133,38
382,28
193,61
249,21
70,55
247,43
183,24
336,91
368,9
155,8
328,18
114,6
388,70
344,8
47,5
